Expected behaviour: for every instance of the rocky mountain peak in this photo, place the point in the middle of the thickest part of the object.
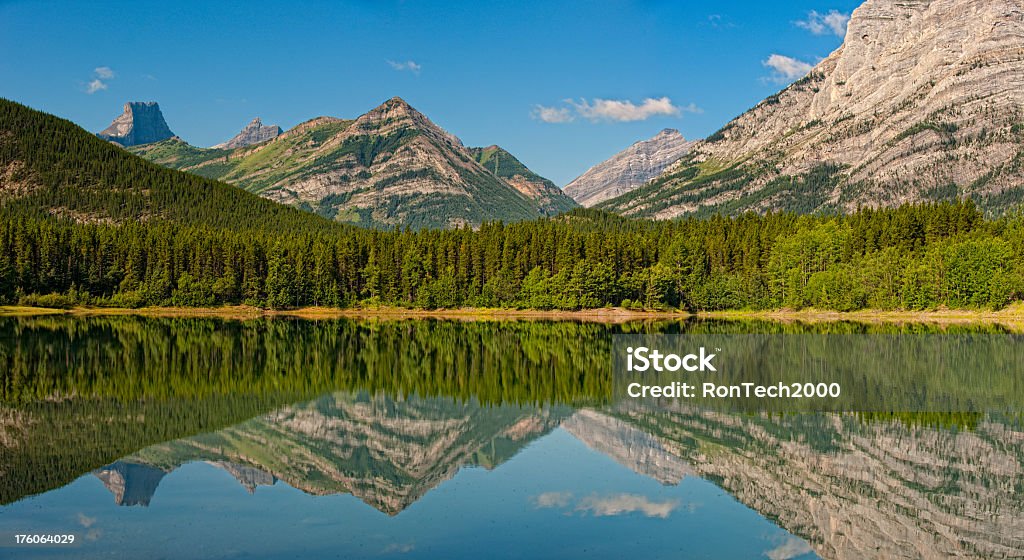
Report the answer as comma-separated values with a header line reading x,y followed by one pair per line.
x,y
253,133
398,103
140,123
923,101
394,108
396,114
628,169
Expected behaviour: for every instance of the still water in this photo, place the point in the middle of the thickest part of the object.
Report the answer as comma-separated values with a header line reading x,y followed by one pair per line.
x,y
203,438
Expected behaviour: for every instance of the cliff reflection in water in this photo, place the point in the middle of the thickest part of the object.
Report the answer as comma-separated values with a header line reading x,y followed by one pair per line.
x,y
404,406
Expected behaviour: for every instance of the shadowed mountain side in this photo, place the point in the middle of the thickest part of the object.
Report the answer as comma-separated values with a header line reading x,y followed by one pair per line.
x,y
550,199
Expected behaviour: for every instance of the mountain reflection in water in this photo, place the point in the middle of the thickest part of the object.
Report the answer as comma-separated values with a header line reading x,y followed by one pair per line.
x,y
844,486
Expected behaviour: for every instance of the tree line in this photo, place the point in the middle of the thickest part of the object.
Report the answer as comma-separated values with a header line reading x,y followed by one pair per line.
x,y
913,257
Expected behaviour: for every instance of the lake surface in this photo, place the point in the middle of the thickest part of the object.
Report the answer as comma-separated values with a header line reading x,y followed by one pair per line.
x,y
206,438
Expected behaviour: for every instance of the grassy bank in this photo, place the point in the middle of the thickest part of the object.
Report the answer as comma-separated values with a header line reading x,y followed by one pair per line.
x,y
1011,316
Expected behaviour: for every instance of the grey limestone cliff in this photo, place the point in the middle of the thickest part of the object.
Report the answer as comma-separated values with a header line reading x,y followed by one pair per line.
x,y
628,169
140,123
924,101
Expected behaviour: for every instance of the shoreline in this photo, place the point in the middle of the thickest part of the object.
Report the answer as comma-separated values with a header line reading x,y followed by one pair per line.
x,y
1012,316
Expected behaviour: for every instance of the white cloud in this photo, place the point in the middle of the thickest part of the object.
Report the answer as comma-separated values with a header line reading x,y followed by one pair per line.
x,y
787,68
408,65
611,110
621,504
94,86
552,500
555,115
833,22
624,111
85,521
101,75
792,547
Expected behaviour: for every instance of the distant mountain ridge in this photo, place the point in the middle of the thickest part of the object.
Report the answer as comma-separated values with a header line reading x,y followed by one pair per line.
x,y
629,169
254,133
923,101
390,167
140,123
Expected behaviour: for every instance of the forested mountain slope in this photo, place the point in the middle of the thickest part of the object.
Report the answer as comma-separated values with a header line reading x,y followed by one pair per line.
x,y
51,167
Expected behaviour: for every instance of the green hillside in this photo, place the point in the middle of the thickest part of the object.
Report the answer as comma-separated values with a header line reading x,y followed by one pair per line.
x,y
52,167
504,165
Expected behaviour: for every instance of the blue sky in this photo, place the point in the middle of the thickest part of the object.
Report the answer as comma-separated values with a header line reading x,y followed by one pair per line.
x,y
490,72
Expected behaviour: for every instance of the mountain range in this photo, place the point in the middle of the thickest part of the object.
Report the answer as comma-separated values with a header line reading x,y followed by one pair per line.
x,y
390,167
923,101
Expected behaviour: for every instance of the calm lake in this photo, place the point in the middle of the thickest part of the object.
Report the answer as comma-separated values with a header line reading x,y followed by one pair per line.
x,y
278,438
